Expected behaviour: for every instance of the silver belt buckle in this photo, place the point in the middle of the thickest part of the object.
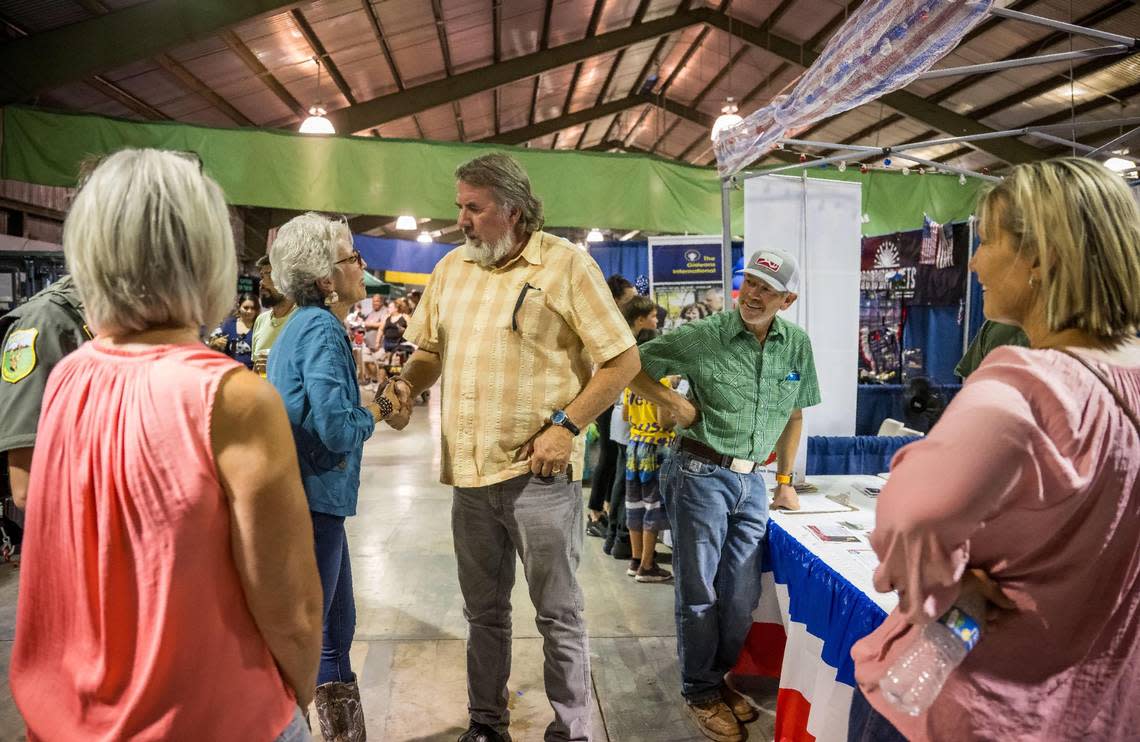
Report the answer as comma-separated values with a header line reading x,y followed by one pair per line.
x,y
742,466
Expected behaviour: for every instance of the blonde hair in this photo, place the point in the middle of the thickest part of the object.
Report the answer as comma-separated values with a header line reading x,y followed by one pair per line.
x,y
1079,222
149,242
304,252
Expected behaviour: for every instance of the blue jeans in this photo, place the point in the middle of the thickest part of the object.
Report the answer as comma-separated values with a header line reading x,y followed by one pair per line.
x,y
865,724
719,519
339,616
297,731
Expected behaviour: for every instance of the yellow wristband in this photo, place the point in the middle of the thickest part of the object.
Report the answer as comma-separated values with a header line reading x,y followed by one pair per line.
x,y
783,479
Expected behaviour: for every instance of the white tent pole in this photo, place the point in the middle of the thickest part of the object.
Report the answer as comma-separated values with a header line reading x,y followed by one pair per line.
x,y
1005,64
1062,26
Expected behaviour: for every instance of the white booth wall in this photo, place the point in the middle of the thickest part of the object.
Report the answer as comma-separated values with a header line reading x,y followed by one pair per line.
x,y
819,223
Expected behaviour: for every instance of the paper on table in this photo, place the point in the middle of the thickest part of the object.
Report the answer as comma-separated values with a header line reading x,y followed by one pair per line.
x,y
866,557
815,504
831,532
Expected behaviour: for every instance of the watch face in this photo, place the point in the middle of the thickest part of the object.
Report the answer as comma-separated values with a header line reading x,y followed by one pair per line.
x,y
558,417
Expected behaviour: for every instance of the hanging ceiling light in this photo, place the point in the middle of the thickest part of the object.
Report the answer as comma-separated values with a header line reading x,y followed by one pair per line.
x,y
727,119
316,123
595,235
424,237
406,223
1119,165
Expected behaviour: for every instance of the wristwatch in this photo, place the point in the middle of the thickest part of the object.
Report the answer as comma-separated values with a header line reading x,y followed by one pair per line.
x,y
559,418
783,479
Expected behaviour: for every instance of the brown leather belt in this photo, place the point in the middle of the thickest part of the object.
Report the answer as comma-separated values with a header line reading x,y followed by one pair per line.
x,y
710,455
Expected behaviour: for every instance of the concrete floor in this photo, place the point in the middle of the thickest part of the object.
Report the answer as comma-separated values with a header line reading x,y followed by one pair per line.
x,y
409,650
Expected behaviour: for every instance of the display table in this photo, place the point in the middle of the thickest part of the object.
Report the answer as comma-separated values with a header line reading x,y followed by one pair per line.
x,y
817,601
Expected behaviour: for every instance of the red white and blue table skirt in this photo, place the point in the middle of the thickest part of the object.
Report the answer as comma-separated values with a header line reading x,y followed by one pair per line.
x,y
817,601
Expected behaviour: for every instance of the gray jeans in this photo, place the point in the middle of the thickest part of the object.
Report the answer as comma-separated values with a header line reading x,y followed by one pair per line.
x,y
540,519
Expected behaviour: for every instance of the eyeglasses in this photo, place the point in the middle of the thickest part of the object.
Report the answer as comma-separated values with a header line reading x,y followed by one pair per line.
x,y
354,257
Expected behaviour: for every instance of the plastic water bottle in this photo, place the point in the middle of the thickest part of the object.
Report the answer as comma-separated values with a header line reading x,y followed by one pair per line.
x,y
917,677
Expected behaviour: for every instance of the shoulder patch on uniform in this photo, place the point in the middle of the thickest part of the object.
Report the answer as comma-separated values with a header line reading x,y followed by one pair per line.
x,y
19,357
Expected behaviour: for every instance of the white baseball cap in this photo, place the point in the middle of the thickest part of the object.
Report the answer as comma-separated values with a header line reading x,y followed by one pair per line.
x,y
775,267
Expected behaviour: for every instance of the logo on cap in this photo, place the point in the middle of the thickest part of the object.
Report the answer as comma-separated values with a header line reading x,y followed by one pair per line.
x,y
768,263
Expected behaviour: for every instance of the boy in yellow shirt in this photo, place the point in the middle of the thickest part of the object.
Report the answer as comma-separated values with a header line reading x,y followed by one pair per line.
x,y
650,433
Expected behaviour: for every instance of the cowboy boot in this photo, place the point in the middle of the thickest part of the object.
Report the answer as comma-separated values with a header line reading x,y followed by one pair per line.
x,y
340,713
331,729
354,714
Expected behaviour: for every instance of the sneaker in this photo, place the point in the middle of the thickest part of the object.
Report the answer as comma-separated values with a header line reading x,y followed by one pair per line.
x,y
482,733
622,550
596,528
654,574
738,703
715,720
634,565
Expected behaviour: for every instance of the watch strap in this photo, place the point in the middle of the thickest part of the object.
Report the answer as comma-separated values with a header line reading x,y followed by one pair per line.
x,y
564,422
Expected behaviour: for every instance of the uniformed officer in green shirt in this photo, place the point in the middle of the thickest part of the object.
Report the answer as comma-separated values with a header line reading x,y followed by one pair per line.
x,y
37,334
750,373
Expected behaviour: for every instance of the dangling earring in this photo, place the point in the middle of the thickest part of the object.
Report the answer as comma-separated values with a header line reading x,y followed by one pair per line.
x,y
1032,282
331,298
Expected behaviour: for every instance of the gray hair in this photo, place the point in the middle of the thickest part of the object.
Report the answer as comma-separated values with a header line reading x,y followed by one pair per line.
x,y
149,242
508,182
303,253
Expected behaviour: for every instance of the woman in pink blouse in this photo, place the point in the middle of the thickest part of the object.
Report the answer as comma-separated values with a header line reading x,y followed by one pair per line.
x,y
1028,489
168,588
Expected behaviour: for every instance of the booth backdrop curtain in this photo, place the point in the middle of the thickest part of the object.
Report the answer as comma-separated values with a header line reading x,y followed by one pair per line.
x,y
401,256
937,332
852,454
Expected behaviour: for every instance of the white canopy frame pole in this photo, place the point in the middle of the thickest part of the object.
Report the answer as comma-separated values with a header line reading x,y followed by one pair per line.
x,y
846,155
1108,147
1061,140
1092,33
830,145
943,166
977,69
851,151
726,242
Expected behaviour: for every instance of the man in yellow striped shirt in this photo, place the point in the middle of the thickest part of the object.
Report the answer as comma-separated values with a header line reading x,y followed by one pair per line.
x,y
515,322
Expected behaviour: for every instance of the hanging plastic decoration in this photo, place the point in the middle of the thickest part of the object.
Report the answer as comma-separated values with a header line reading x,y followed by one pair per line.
x,y
882,47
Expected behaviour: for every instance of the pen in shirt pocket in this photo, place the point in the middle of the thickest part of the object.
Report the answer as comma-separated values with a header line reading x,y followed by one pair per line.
x,y
518,304
793,376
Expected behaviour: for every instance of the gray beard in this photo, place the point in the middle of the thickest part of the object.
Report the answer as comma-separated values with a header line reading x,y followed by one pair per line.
x,y
489,254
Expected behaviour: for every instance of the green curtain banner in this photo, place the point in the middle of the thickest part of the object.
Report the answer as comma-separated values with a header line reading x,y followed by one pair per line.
x,y
362,175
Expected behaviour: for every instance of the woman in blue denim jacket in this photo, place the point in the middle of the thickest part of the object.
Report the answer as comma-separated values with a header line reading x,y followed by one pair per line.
x,y
312,367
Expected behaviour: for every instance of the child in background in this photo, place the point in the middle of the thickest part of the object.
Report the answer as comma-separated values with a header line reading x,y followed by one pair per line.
x,y
650,433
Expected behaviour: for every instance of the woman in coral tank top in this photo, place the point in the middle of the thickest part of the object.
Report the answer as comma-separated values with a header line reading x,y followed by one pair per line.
x,y
168,588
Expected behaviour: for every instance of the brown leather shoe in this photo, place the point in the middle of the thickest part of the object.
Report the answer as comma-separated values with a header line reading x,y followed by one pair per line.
x,y
716,721
741,708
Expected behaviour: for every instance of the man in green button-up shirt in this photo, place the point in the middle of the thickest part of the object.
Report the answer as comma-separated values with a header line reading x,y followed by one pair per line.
x,y
751,373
